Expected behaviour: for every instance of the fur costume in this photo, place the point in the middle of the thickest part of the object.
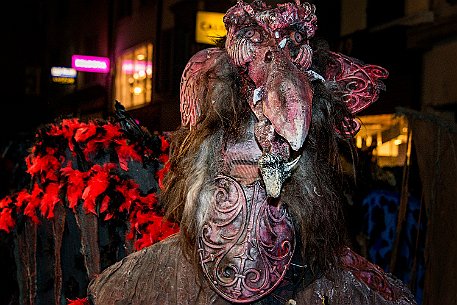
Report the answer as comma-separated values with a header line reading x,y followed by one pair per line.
x,y
254,177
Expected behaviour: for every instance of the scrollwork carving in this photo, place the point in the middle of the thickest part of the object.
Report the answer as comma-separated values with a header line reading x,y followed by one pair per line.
x,y
246,244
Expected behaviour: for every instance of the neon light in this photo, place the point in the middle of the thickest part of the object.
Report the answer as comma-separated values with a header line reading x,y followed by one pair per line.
x,y
63,80
90,63
63,72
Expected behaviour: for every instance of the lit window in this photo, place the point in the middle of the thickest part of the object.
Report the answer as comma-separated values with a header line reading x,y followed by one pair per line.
x,y
387,136
134,77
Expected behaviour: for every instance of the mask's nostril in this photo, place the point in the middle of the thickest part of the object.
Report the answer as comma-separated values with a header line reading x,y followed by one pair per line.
x,y
268,57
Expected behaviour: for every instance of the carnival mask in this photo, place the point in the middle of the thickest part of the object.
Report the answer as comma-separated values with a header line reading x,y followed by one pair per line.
x,y
247,239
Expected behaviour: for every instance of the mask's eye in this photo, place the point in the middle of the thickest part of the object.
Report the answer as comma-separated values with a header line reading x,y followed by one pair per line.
x,y
251,33
298,37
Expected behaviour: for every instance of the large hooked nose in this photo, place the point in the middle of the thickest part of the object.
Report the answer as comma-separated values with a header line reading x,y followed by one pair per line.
x,y
288,99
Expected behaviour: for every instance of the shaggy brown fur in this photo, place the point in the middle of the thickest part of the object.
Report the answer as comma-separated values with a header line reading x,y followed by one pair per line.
x,y
312,195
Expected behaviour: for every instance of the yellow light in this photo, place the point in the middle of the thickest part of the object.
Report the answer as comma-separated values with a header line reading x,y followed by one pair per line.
x,y
359,142
137,90
209,25
369,141
398,141
379,138
141,74
140,57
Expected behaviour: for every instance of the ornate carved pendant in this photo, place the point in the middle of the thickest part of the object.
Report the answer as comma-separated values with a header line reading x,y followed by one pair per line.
x,y
246,244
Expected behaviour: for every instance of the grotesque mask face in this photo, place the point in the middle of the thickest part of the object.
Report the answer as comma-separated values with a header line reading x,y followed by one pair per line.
x,y
272,46
246,237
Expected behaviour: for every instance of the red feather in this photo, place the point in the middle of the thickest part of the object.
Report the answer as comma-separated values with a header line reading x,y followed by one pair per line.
x,y
75,185
96,185
85,132
125,153
6,220
23,198
149,200
34,203
164,144
112,131
130,193
105,204
5,202
46,165
83,301
49,201
66,129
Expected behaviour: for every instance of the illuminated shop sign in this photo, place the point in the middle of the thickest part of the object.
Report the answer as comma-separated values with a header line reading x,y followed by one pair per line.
x,y
63,72
90,63
210,26
63,75
63,80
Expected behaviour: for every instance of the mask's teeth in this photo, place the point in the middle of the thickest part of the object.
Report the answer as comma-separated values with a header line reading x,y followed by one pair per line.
x,y
274,172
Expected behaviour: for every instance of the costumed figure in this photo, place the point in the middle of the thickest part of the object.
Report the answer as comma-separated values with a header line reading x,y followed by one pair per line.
x,y
254,177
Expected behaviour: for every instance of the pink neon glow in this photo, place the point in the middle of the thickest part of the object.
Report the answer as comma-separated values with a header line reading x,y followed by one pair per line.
x,y
130,66
90,63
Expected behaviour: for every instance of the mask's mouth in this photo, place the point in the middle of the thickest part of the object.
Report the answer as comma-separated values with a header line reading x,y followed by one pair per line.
x,y
247,162
275,170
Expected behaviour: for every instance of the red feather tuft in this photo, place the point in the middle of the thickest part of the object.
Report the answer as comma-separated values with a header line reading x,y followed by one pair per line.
x,y
112,131
23,198
5,202
149,200
164,144
6,220
50,199
46,166
83,301
75,185
130,193
96,185
125,153
67,130
85,132
105,204
34,203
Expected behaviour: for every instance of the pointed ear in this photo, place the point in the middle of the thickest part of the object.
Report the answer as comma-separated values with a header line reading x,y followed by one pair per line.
x,y
357,84
197,80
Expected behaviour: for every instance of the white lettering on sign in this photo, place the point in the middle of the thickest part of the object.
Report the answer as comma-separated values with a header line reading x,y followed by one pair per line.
x,y
90,63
